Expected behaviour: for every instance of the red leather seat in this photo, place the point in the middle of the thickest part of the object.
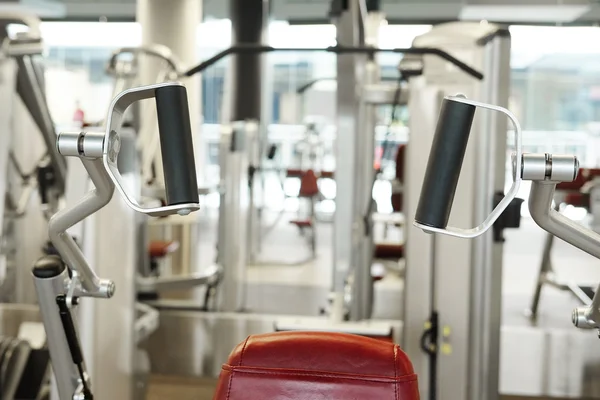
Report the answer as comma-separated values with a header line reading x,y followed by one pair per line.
x,y
316,365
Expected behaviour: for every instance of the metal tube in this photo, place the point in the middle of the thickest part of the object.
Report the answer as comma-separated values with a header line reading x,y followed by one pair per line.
x,y
248,19
486,273
66,218
29,89
251,48
580,294
545,268
540,207
50,283
210,275
361,306
347,215
233,217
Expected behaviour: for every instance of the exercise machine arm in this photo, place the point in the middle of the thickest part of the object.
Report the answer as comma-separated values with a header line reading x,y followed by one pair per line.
x,y
57,290
544,170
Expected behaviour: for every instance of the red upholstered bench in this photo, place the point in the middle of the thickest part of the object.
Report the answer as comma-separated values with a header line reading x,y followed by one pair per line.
x,y
316,365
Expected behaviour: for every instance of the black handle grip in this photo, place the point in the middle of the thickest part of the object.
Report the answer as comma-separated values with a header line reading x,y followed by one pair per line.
x,y
445,161
176,145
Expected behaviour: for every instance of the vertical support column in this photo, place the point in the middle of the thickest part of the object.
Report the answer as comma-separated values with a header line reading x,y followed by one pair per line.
x,y
361,306
347,219
247,92
235,141
424,104
486,281
174,24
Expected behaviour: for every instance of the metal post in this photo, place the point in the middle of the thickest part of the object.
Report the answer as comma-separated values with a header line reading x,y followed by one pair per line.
x,y
346,219
50,277
467,356
247,80
233,213
7,91
486,281
361,306
174,24
424,110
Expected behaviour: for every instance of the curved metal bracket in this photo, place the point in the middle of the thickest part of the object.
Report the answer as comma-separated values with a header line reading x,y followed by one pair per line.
x,y
111,146
156,50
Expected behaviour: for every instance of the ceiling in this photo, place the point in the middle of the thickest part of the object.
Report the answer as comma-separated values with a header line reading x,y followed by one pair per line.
x,y
406,11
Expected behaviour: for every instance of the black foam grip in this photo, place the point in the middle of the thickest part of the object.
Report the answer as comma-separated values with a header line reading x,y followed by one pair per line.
x,y
445,161
176,145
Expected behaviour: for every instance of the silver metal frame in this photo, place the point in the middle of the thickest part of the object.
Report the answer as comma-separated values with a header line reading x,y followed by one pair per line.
x,y
235,144
98,153
110,150
91,284
65,371
438,267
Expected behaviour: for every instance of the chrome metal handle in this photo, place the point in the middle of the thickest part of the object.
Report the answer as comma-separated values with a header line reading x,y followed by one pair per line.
x,y
111,146
437,172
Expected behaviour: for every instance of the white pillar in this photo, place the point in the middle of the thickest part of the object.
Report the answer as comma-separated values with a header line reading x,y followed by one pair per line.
x,y
173,23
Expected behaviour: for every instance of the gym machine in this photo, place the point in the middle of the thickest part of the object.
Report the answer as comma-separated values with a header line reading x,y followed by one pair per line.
x,y
63,282
452,289
25,110
124,65
375,94
545,171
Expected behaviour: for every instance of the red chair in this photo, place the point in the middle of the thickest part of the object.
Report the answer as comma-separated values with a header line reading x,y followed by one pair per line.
x,y
316,365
